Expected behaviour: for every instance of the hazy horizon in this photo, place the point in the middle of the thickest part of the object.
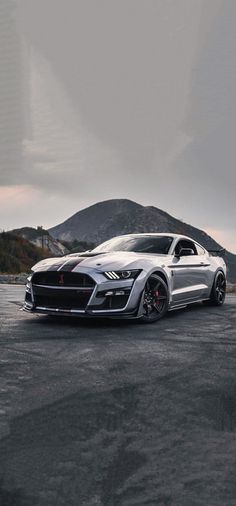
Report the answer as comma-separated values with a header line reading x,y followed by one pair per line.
x,y
127,99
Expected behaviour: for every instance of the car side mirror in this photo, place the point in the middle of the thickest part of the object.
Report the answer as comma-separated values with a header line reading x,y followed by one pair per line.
x,y
185,252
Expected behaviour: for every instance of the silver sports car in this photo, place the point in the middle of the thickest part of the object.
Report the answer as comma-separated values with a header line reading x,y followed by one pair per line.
x,y
131,276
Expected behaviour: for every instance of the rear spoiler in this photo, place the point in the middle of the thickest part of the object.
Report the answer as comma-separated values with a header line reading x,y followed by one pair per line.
x,y
217,252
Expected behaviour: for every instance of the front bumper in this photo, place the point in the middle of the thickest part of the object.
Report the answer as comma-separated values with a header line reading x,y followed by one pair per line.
x,y
109,299
82,313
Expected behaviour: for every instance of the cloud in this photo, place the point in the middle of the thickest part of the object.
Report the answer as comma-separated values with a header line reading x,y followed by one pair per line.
x,y
16,195
106,118
61,156
13,106
24,205
223,237
37,154
205,176
127,99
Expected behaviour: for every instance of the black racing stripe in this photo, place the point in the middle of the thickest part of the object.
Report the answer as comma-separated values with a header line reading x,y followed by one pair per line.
x,y
55,266
71,264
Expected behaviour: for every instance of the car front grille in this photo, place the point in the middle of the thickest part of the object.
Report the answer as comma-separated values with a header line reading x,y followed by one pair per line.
x,y
62,279
62,290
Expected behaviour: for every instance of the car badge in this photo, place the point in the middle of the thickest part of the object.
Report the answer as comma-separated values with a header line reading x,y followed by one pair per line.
x,y
61,279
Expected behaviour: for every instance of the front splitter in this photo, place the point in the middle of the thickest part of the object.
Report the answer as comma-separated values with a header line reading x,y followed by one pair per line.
x,y
81,313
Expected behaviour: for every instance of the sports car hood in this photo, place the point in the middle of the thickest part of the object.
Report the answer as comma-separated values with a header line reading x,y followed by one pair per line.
x,y
103,261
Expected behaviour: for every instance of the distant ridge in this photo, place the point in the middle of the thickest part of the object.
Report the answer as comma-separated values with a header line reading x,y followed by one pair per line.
x,y
107,219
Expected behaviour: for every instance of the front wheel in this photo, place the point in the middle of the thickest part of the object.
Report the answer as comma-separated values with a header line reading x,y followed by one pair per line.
x,y
155,299
218,291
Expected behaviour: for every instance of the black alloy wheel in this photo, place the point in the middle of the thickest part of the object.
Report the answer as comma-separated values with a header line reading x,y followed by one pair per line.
x,y
155,299
218,291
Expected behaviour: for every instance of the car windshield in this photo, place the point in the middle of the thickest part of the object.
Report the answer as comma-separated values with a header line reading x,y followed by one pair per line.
x,y
138,244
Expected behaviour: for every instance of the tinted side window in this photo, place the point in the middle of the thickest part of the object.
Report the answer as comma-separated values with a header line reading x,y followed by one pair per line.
x,y
185,244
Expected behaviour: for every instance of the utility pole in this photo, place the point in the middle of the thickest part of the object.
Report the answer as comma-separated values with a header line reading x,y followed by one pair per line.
x,y
40,229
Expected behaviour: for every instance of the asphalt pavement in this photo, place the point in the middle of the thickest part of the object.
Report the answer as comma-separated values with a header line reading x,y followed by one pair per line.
x,y
117,413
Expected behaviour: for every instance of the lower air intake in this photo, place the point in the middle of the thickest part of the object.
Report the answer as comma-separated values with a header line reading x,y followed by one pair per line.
x,y
61,299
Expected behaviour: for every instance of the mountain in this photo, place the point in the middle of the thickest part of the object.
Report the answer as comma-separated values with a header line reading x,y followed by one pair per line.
x,y
104,220
98,222
42,239
17,254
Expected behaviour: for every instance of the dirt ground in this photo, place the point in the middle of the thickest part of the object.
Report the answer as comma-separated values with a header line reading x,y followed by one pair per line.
x,y
109,413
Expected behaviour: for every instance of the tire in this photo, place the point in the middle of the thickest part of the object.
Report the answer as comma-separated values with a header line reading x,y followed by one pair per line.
x,y
155,299
218,291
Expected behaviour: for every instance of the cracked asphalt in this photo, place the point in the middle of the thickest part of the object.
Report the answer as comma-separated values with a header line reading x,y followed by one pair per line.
x,y
109,413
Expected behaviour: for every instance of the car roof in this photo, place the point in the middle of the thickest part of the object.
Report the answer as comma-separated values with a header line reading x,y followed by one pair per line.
x,y
158,234
163,234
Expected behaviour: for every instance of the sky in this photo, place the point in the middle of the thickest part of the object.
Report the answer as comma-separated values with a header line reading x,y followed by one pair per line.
x,y
118,99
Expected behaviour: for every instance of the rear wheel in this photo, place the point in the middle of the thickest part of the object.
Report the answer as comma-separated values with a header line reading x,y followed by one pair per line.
x,y
218,291
155,299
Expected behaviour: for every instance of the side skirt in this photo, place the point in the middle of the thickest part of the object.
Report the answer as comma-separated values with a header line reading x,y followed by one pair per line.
x,y
185,304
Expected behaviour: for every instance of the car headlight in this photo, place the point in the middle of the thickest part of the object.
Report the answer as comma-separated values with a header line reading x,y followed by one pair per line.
x,y
28,285
115,275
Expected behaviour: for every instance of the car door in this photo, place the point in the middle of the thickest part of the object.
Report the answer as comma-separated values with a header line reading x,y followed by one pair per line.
x,y
189,273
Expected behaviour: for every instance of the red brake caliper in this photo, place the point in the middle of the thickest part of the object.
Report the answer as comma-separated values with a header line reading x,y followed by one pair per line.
x,y
157,295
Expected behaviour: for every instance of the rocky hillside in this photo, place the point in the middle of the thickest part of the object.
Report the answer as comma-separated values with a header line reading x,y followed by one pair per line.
x,y
106,219
18,254
42,239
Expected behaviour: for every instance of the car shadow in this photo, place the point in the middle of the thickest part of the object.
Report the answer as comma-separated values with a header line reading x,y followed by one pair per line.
x,y
101,322
79,321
